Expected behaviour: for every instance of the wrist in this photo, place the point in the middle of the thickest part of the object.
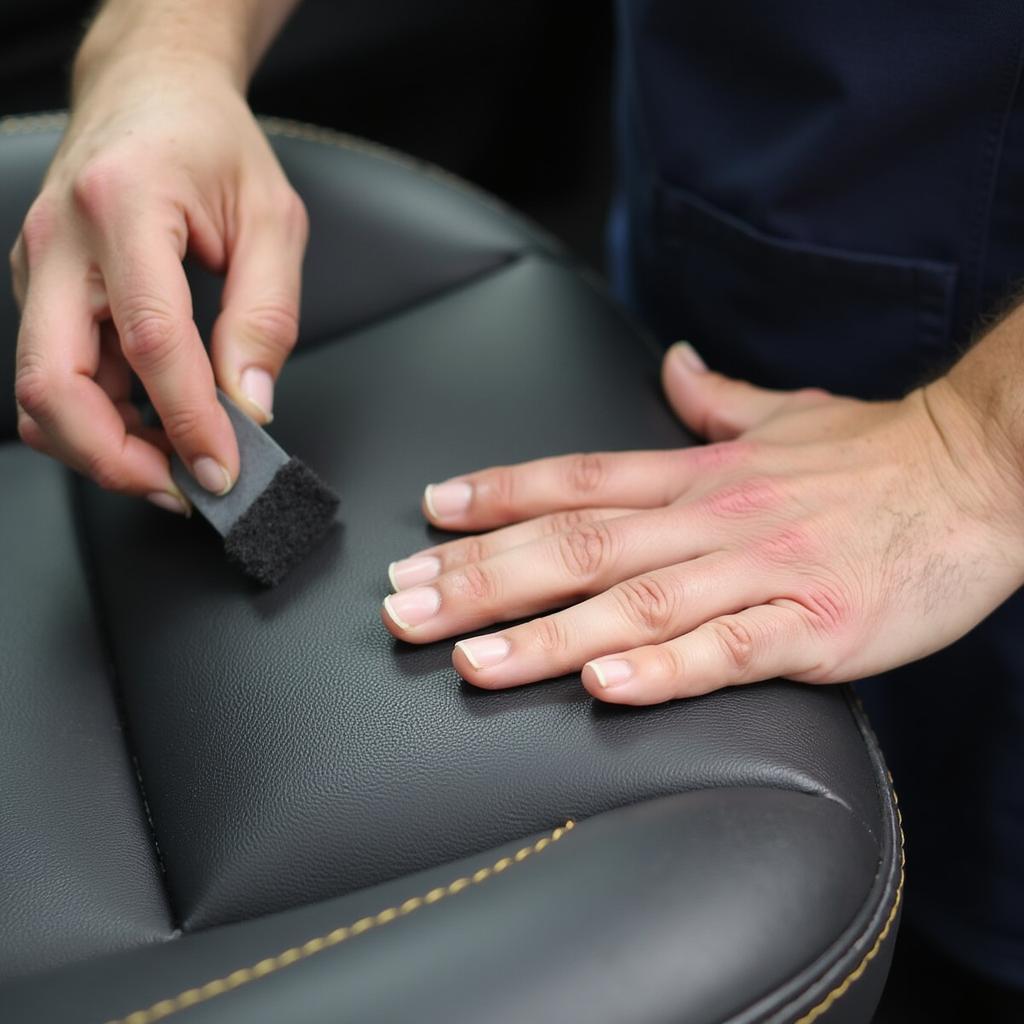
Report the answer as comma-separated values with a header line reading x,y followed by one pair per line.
x,y
130,39
987,383
984,472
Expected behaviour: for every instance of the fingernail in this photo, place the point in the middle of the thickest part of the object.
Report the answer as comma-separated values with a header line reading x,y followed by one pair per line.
x,y
410,571
611,673
170,502
446,500
258,388
410,608
685,352
485,651
212,475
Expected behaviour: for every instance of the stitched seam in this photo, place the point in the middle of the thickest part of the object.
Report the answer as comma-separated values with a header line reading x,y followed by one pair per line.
x,y
34,124
295,954
286,128
29,124
314,342
843,987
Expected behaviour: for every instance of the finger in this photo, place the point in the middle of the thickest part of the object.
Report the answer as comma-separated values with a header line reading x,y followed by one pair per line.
x,y
762,642
543,574
33,435
114,376
716,407
259,325
113,373
150,302
63,411
651,608
509,494
430,563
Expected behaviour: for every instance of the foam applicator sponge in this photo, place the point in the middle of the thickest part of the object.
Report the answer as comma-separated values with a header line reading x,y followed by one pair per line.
x,y
276,512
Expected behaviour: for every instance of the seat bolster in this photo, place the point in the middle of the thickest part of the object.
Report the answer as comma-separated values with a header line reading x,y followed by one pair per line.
x,y
79,876
702,907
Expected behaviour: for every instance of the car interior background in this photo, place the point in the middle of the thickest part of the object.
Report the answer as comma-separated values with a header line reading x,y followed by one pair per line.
x,y
516,99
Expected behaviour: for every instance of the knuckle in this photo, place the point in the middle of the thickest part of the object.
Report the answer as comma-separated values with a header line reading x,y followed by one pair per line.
x,y
751,496
562,522
736,643
585,550
273,325
105,469
550,635
478,585
585,473
472,550
500,486
97,186
811,396
668,662
827,609
648,604
721,456
29,431
33,385
182,422
37,229
791,545
148,336
719,421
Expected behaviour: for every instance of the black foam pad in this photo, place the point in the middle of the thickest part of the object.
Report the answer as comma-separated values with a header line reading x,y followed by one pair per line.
x,y
281,526
277,510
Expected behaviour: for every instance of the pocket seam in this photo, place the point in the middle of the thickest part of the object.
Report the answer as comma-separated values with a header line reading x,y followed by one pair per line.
x,y
677,208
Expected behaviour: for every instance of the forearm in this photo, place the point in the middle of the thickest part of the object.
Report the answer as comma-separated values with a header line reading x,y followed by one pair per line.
x,y
229,35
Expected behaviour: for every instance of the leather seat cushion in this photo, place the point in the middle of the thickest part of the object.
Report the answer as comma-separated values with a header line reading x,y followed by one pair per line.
x,y
289,747
204,777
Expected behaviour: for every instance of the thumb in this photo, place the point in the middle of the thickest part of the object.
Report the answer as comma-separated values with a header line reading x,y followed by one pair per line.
x,y
259,323
715,407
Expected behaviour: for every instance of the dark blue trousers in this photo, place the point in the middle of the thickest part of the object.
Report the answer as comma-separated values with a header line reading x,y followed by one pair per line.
x,y
828,194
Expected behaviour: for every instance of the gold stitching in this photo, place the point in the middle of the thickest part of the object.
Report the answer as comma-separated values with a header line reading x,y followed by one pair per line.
x,y
57,121
218,986
29,124
843,987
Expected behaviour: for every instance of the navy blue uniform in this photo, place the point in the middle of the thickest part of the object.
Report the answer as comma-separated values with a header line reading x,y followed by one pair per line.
x,y
833,195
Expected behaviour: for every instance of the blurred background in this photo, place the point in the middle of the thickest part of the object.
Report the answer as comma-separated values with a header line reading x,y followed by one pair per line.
x,y
514,97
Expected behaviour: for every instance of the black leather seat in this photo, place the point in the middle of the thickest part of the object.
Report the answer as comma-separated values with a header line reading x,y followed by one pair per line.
x,y
227,804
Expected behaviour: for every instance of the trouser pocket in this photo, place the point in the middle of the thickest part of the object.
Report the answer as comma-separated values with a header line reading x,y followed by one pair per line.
x,y
784,313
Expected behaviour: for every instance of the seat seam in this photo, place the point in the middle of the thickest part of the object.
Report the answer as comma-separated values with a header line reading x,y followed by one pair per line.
x,y
295,954
507,262
840,990
105,635
30,124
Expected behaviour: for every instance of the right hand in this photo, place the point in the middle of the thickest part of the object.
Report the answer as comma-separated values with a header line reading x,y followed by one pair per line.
x,y
159,159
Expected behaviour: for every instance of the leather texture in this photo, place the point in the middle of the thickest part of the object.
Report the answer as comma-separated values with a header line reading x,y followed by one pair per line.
x,y
78,871
735,858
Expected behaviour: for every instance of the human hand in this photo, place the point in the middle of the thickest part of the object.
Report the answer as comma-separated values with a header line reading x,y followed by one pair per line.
x,y
161,157
819,538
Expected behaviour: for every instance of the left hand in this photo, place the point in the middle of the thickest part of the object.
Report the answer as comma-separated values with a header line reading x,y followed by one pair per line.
x,y
819,538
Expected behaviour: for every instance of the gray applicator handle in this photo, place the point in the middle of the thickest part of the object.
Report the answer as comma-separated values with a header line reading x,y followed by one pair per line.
x,y
261,458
